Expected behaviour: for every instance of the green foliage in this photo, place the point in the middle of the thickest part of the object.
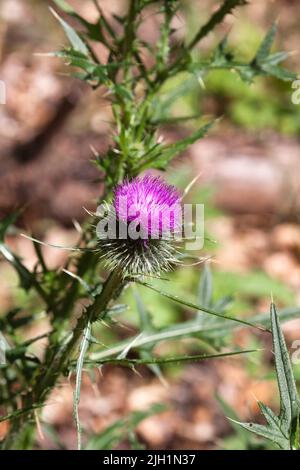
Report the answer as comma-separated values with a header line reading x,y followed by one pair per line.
x,y
74,38
242,439
86,337
133,89
283,429
226,8
200,308
266,104
211,331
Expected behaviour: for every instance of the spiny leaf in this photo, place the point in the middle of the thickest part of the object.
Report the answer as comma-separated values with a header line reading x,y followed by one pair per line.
x,y
279,72
26,277
167,360
73,37
289,399
83,348
271,417
173,149
188,329
266,432
276,58
94,72
216,18
161,155
265,47
268,63
94,30
199,307
282,429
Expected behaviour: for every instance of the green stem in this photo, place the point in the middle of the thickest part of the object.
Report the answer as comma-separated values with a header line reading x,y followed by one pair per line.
x,y
95,311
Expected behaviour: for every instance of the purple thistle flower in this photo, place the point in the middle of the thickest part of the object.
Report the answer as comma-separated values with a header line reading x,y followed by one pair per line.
x,y
152,209
153,204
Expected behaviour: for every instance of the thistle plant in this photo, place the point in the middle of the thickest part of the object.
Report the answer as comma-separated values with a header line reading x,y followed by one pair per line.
x,y
133,87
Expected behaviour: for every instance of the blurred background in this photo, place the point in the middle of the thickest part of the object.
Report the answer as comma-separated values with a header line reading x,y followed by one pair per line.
x,y
249,166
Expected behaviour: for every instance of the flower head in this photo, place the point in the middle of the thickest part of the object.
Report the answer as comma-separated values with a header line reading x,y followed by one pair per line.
x,y
150,202
147,214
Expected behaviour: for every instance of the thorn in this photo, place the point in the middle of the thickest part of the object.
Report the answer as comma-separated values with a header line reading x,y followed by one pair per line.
x,y
93,214
38,426
164,381
77,225
54,13
200,81
94,151
190,185
44,54
136,371
255,397
104,323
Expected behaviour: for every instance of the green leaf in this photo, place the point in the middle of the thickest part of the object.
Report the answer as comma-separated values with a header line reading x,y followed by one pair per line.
x,y
271,417
289,399
283,429
165,360
93,71
199,307
217,18
279,72
276,58
94,30
83,348
265,47
25,276
266,432
74,38
189,329
169,151
164,154
268,63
